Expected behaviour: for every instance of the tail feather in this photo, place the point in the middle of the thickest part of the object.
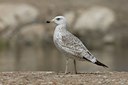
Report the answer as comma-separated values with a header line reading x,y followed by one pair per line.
x,y
100,64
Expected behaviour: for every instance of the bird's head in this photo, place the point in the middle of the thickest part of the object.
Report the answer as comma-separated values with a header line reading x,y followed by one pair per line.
x,y
58,20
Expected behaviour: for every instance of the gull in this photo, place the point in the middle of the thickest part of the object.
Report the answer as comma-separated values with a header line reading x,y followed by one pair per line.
x,y
70,45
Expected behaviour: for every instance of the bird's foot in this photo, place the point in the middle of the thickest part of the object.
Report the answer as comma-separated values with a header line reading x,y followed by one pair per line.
x,y
66,72
75,73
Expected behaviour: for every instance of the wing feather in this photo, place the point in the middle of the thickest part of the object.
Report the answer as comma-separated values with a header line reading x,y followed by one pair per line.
x,y
72,45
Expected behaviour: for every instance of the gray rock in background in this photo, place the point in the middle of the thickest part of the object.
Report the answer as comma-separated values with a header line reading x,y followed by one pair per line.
x,y
31,34
93,18
14,15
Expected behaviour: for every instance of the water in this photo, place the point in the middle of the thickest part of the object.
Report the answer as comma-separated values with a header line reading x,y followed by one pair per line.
x,y
39,58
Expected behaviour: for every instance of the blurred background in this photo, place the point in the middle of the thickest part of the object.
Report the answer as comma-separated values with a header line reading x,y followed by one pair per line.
x,y
26,42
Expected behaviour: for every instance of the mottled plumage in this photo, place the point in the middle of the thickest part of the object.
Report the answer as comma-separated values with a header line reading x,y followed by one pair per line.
x,y
69,44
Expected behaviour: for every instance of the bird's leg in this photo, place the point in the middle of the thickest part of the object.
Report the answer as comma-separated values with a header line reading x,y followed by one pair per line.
x,y
74,61
66,69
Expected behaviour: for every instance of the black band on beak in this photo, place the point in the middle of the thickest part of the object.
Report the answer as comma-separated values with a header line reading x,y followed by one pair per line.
x,y
47,21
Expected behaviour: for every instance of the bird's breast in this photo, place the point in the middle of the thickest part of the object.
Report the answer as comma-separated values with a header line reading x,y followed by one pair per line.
x,y
57,37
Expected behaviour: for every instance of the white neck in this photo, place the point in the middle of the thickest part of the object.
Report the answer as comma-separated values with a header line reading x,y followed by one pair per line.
x,y
61,27
60,30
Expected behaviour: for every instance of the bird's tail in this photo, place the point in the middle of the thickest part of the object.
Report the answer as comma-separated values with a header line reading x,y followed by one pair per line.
x,y
100,64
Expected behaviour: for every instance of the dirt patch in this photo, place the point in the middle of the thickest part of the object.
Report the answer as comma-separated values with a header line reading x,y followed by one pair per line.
x,y
51,78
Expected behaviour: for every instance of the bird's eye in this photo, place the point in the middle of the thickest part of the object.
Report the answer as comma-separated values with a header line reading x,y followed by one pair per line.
x,y
58,19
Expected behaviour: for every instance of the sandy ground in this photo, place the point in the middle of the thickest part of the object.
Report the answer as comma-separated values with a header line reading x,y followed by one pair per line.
x,y
51,78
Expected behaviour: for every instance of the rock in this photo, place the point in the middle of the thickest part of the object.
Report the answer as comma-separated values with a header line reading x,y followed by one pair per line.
x,y
109,39
95,18
13,15
31,34
70,16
